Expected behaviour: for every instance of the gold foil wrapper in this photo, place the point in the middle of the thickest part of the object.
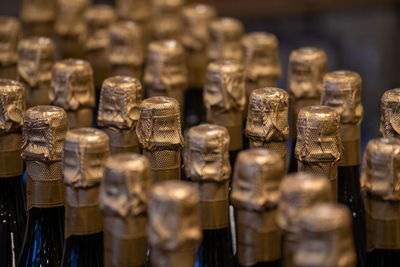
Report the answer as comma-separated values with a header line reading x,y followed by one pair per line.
x,y
43,134
255,195
124,194
160,136
174,224
342,91
10,35
37,17
167,20
195,37
12,107
85,153
166,73
207,164
390,116
36,57
72,88
382,197
224,98
125,49
267,119
119,112
327,227
225,39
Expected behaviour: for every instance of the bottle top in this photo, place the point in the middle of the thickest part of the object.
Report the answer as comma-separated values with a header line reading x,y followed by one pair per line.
x,y
134,10
318,135
379,170
207,153
330,226
167,19
258,173
125,188
267,119
159,124
36,56
307,66
43,133
299,191
85,153
174,215
12,106
10,35
125,44
261,55
119,102
38,11
70,19
390,107
72,85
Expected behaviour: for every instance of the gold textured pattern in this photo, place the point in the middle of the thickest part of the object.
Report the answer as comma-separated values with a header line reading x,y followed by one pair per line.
x,y
328,227
167,19
134,10
390,115
10,35
37,17
69,21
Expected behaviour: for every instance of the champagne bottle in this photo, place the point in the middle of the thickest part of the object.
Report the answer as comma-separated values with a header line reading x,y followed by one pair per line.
x,y
72,89
69,27
382,201
160,136
37,17
119,112
166,73
207,166
12,198
389,113
195,38
319,147
174,224
298,191
325,237
342,91
125,49
10,30
267,120
255,196
43,135
307,66
167,19
225,39
36,56
98,19
85,153
124,193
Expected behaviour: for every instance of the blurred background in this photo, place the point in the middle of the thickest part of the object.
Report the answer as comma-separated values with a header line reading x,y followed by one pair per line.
x,y
358,35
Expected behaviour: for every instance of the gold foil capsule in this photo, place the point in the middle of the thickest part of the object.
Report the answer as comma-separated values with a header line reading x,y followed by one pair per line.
x,y
124,194
225,39
70,26
98,19
174,224
379,184
224,98
10,35
326,237
165,73
85,153
160,136
342,91
72,89
195,37
167,19
255,196
37,17
307,67
125,49
319,146
43,134
207,165
390,115
298,191
119,112
267,120
36,56
12,108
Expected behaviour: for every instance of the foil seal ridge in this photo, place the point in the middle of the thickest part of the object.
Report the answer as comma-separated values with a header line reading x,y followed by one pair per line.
x,y
390,106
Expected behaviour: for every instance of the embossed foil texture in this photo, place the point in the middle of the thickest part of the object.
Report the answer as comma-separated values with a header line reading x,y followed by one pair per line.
x,y
167,20
37,17
255,195
10,35
390,113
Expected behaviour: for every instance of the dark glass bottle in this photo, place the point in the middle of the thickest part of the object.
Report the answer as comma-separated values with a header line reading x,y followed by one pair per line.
x,y
342,91
83,250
